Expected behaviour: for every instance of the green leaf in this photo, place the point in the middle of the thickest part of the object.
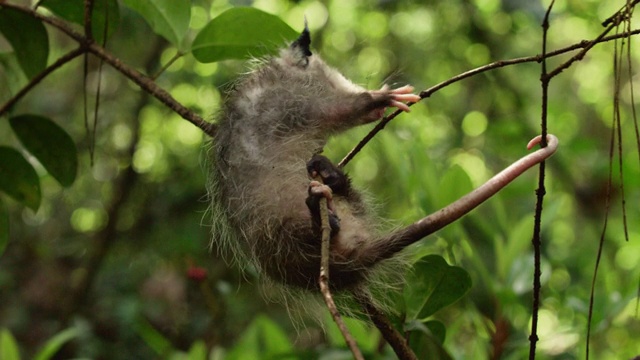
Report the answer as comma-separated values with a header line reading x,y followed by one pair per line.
x,y
4,228
433,284
240,33
50,144
28,38
168,18
8,347
361,331
437,329
73,10
13,78
55,343
426,345
152,337
433,328
18,179
263,339
198,351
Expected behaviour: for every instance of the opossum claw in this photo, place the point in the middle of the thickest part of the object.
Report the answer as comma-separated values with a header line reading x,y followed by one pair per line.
x,y
397,97
316,191
405,93
331,175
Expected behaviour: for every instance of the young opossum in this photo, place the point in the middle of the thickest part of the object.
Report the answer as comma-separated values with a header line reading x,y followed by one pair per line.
x,y
265,204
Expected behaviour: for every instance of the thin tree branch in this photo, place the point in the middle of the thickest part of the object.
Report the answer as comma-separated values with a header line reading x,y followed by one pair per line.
x,y
36,79
141,80
611,23
536,58
105,30
148,85
391,335
624,10
323,280
616,133
175,57
105,238
540,192
467,74
602,237
618,118
580,55
88,10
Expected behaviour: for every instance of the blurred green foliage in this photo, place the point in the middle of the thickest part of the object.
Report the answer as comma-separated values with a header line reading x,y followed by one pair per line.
x,y
133,226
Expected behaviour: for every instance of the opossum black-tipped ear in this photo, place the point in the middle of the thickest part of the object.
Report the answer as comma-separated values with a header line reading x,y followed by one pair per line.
x,y
303,42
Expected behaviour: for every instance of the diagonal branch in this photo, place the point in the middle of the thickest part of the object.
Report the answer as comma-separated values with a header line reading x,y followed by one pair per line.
x,y
584,44
141,80
149,85
381,321
36,79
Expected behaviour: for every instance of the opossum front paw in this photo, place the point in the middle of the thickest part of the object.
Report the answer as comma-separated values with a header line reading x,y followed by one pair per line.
x,y
401,95
383,98
331,175
317,191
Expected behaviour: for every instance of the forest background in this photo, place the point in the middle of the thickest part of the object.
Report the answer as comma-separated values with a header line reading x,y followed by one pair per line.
x,y
116,263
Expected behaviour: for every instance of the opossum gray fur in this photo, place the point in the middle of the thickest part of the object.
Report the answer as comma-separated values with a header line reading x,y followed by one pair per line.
x,y
271,125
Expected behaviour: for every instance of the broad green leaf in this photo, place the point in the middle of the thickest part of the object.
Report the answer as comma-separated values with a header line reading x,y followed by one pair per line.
x,y
426,345
28,38
437,329
13,78
4,228
73,10
433,284
18,178
55,343
240,33
168,18
263,339
50,144
433,328
8,346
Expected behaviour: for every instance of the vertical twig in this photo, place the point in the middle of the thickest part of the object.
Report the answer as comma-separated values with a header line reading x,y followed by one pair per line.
x,y
323,281
105,31
88,33
627,25
540,192
85,103
602,236
623,16
634,115
102,242
615,134
617,74
88,11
